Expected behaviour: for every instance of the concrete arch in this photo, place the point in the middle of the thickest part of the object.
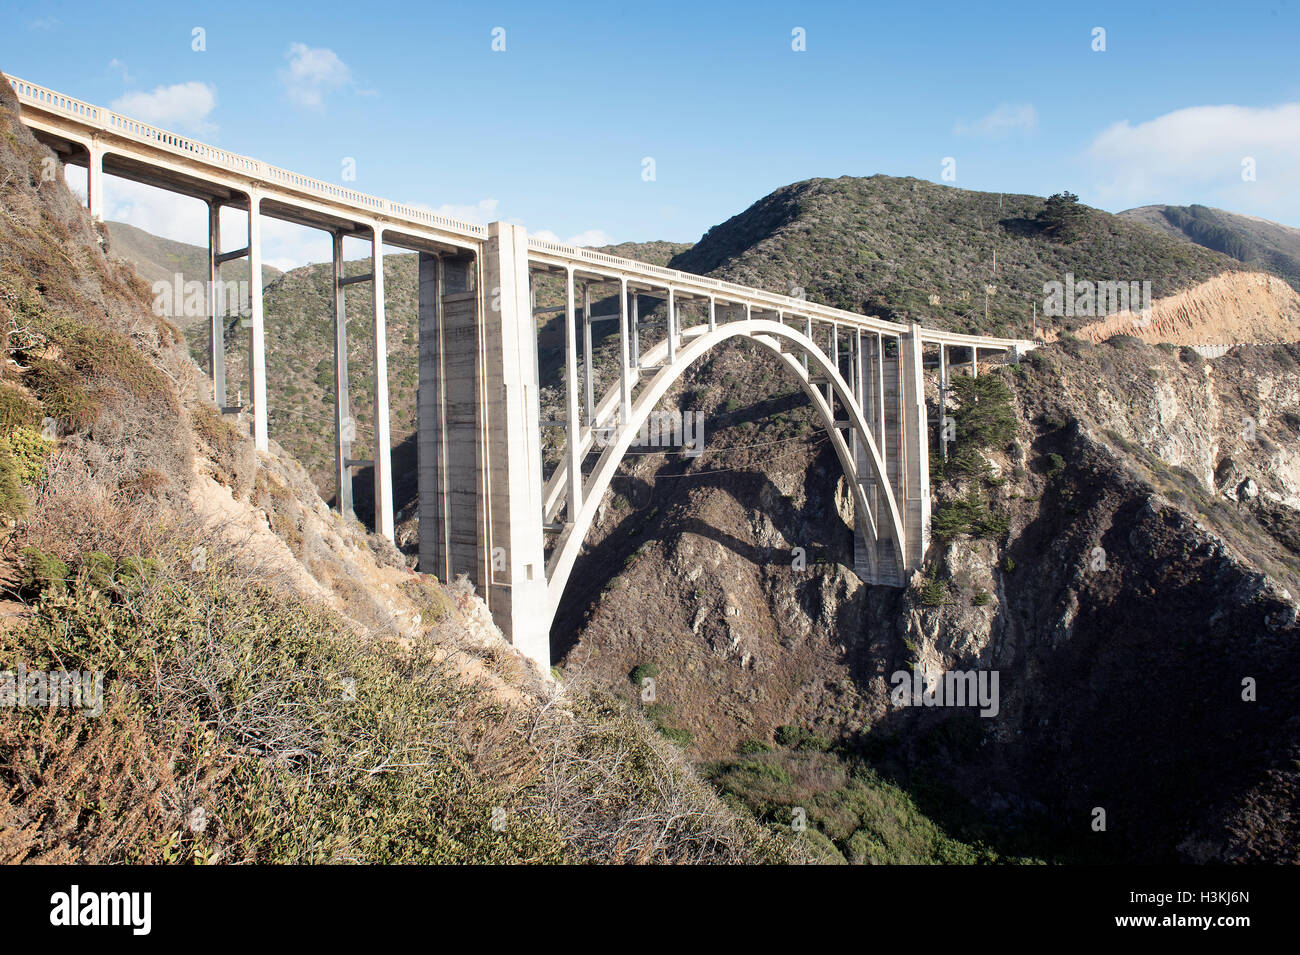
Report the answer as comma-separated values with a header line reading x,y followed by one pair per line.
x,y
770,334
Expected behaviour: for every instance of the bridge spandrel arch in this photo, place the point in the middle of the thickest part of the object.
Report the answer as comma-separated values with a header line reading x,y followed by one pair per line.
x,y
769,334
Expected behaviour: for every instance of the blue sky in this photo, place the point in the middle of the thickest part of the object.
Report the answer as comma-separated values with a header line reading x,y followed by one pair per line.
x,y
553,131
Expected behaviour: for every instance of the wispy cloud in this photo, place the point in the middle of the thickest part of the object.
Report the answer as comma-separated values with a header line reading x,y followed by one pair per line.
x,y
182,106
1201,150
312,74
1006,119
480,213
590,238
117,66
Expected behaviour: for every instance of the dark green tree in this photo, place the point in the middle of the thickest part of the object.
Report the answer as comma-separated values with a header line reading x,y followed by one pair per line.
x,y
1061,216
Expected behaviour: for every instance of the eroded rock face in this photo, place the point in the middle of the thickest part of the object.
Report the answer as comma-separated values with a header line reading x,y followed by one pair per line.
x,y
1236,307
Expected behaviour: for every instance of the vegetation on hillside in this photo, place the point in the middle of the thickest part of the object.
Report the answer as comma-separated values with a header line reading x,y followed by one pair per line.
x,y
1257,243
906,248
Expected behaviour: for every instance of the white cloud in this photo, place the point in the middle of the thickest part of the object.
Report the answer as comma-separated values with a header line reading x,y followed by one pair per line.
x,y
1200,150
481,213
182,106
119,67
183,219
1006,119
313,72
592,237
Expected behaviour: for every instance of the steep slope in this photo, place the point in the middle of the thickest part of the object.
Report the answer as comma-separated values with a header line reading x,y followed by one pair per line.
x,y
885,246
1256,242
1236,308
266,683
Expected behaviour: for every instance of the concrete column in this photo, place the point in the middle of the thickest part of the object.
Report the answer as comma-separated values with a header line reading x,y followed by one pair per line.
x,y
915,502
256,331
835,361
383,469
880,392
713,314
216,311
807,330
517,593
671,316
974,362
588,387
625,359
95,180
432,432
943,398
636,330
344,426
573,446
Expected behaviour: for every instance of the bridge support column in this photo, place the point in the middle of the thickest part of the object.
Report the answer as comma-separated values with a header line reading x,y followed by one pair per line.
x,y
216,310
943,400
256,330
344,426
383,450
670,317
516,593
914,431
572,423
625,360
480,467
95,180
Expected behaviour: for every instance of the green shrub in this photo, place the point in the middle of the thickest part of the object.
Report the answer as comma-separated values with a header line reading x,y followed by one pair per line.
x,y
643,671
42,572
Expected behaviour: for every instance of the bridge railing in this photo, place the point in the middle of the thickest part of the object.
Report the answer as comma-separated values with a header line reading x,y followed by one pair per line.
x,y
109,121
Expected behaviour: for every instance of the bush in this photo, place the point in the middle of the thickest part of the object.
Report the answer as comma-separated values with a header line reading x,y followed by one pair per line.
x,y
643,671
42,572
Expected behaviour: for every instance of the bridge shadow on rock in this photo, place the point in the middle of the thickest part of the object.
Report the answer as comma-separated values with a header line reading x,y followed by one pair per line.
x,y
406,489
659,513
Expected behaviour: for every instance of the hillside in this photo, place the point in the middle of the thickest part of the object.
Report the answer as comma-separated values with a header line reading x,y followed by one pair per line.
x,y
1256,242
778,677
156,259
774,678
271,684
884,246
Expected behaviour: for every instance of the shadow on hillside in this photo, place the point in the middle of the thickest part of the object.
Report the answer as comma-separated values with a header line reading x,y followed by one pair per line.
x,y
652,517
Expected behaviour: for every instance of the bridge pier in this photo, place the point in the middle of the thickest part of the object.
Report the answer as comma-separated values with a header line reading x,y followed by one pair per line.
x,y
95,179
480,468
216,307
257,324
344,427
382,465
